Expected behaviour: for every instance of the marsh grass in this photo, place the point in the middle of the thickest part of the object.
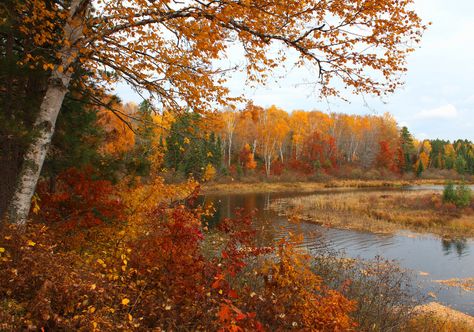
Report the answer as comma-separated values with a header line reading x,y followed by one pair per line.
x,y
382,212
381,288
247,186
433,317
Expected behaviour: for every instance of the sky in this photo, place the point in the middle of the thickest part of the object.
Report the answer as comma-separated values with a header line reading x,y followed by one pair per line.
x,y
437,100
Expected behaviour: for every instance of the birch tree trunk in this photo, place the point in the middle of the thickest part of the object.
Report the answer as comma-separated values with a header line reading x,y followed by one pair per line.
x,y
43,128
229,150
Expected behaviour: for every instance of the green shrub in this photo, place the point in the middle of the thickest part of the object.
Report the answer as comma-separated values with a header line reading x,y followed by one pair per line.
x,y
463,195
460,196
449,193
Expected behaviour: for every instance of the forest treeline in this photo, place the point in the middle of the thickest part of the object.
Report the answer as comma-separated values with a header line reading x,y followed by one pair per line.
x,y
271,141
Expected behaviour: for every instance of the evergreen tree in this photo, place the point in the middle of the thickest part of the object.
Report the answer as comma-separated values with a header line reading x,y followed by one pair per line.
x,y
140,163
419,169
189,150
437,154
460,164
408,148
76,141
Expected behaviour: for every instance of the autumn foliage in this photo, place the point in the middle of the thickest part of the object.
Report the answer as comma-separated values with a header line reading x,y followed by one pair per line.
x,y
103,257
154,274
78,201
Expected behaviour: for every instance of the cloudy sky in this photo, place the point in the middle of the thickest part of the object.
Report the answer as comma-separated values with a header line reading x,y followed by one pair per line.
x,y
437,100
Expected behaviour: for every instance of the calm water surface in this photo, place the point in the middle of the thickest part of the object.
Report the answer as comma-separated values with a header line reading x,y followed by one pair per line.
x,y
441,259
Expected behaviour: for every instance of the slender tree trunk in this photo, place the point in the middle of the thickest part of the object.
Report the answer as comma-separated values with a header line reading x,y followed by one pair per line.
x,y
43,129
229,151
36,153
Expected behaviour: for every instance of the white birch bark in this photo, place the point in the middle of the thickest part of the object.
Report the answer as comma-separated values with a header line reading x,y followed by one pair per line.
x,y
45,122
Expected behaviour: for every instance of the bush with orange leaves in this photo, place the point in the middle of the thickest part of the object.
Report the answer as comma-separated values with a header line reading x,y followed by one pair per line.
x,y
153,275
79,201
294,297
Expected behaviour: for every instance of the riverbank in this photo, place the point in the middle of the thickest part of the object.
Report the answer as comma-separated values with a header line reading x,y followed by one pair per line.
x,y
237,187
381,212
436,317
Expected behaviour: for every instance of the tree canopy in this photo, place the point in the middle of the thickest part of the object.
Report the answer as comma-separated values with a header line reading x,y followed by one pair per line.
x,y
171,50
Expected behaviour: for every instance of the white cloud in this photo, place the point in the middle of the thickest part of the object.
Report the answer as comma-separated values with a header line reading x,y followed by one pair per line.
x,y
443,112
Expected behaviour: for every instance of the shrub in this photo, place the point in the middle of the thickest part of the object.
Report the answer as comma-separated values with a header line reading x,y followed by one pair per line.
x,y
449,193
209,173
464,195
153,275
460,196
78,204
379,287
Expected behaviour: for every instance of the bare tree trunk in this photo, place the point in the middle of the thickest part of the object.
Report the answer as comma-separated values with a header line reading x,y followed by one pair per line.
x,y
254,146
36,153
43,128
268,163
229,151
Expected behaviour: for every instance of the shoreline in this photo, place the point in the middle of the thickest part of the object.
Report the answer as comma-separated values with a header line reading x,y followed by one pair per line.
x,y
441,315
388,212
381,212
238,187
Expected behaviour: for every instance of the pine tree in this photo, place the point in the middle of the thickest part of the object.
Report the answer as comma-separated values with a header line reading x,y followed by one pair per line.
x,y
460,164
76,141
408,148
419,169
140,163
189,150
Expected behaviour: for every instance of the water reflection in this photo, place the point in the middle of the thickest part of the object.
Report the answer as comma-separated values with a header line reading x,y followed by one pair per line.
x,y
460,246
451,259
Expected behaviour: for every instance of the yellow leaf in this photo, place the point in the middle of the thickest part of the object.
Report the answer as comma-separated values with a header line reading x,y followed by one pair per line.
x,y
125,301
130,318
93,286
94,324
92,310
31,243
34,202
2,249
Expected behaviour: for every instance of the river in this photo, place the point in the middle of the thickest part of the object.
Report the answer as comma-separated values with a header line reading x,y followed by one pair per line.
x,y
429,257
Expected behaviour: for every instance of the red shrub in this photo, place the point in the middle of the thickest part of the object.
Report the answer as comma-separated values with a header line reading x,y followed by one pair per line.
x,y
78,202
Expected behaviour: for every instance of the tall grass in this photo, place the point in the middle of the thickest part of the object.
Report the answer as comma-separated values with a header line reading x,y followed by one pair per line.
x,y
383,211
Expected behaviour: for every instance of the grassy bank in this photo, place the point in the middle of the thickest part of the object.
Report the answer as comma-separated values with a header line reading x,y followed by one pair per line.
x,y
382,212
384,301
434,317
308,187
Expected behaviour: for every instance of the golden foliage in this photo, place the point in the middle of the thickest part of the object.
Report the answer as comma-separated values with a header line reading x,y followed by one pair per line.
x,y
127,40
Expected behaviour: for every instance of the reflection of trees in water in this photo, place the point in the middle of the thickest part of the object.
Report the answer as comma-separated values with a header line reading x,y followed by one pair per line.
x,y
266,204
459,246
211,204
226,205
